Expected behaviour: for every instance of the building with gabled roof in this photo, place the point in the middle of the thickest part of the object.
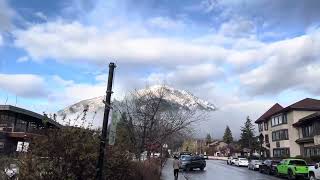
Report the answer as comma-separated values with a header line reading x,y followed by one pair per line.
x,y
292,130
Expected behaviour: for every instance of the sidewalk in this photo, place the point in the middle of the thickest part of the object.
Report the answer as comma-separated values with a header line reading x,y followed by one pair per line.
x,y
167,171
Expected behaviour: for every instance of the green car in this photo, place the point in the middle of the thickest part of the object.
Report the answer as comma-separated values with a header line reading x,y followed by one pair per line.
x,y
292,168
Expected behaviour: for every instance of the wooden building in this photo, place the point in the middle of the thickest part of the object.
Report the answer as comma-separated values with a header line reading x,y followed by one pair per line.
x,y
20,125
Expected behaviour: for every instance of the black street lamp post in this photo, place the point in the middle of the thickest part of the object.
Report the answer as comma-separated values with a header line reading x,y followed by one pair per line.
x,y
107,108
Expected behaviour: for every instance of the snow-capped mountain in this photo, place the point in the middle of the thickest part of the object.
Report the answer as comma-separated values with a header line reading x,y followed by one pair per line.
x,y
92,109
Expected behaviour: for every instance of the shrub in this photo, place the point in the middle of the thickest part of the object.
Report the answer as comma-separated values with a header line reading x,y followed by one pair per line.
x,y
72,153
149,170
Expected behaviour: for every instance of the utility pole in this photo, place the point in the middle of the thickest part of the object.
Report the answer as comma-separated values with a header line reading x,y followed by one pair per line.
x,y
107,108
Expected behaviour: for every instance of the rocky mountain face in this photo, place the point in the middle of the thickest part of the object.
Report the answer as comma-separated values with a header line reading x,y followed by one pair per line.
x,y
92,109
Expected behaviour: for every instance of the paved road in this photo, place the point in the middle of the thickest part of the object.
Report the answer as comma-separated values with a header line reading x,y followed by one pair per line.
x,y
219,170
167,171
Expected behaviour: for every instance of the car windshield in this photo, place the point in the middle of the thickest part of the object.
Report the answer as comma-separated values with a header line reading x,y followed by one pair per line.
x,y
242,159
186,158
297,162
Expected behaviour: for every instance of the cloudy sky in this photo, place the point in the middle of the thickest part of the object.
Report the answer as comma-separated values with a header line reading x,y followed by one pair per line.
x,y
243,56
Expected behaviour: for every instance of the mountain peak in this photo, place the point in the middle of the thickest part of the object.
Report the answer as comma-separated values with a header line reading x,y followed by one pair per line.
x,y
93,108
181,97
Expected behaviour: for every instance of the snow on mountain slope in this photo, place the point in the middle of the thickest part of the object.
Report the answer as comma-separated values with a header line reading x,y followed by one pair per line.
x,y
92,109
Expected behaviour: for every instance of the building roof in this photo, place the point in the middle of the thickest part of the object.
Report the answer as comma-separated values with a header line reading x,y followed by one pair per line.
x,y
307,104
310,118
275,108
28,113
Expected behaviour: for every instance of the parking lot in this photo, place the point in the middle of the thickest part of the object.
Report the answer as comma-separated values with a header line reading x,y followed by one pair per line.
x,y
219,170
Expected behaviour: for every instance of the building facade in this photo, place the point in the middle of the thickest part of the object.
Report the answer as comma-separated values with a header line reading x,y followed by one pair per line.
x,y
19,125
282,128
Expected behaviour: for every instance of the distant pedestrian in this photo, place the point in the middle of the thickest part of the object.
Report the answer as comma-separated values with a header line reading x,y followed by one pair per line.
x,y
176,164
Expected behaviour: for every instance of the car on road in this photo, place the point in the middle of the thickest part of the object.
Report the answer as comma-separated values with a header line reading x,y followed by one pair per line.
x,y
292,168
269,166
242,162
233,161
229,160
314,172
185,153
183,156
205,156
254,164
192,162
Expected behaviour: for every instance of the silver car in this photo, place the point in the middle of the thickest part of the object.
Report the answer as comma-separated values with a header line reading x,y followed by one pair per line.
x,y
254,164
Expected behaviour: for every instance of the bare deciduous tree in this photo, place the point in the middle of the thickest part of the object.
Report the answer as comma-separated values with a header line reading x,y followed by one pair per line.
x,y
152,119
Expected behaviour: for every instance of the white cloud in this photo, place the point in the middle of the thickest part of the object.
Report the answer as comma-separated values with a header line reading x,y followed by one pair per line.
x,y
24,85
23,59
1,40
75,92
6,16
187,76
70,42
238,27
285,65
41,16
62,82
166,23
68,92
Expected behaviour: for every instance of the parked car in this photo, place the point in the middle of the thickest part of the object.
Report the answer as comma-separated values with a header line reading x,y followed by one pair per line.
x,y
292,168
242,162
182,156
254,164
191,162
233,161
185,153
269,166
229,160
205,156
314,172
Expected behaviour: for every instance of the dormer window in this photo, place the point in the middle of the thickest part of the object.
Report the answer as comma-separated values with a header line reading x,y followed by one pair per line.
x,y
279,119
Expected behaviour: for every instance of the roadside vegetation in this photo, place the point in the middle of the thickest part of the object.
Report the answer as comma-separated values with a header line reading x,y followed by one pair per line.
x,y
147,122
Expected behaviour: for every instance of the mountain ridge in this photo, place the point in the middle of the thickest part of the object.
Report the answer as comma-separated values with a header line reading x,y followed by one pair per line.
x,y
93,108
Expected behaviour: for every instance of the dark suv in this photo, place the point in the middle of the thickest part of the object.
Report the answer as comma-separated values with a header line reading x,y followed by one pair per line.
x,y
269,167
191,162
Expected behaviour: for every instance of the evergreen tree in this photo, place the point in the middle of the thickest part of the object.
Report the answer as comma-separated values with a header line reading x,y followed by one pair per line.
x,y
124,134
227,137
208,139
247,138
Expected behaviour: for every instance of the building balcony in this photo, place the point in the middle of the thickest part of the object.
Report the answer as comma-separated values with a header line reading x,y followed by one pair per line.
x,y
305,140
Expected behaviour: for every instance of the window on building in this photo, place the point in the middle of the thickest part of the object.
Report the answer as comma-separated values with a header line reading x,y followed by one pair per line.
x,y
32,127
311,151
284,119
6,120
260,126
280,135
1,145
266,138
281,152
307,131
21,125
266,126
278,120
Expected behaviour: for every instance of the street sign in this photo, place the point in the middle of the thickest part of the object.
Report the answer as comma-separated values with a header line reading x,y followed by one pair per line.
x,y
115,118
